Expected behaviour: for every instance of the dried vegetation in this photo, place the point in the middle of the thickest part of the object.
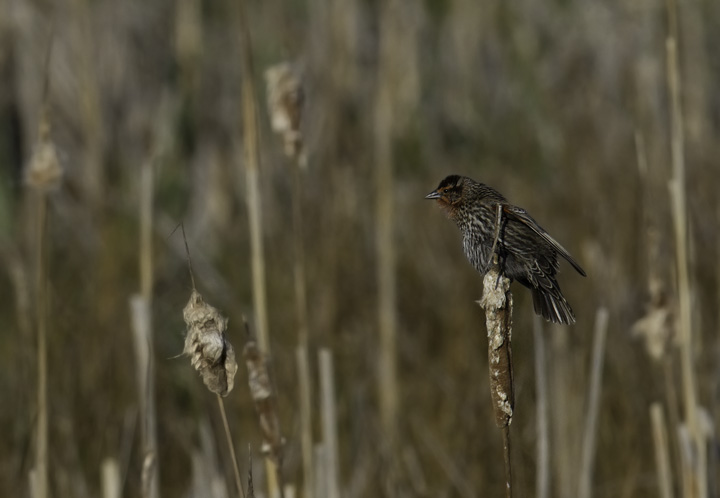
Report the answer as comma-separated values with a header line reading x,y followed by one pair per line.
x,y
368,375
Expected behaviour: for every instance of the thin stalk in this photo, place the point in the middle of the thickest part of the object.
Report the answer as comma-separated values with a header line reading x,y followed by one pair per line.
x,y
662,452
679,211
251,144
329,424
497,302
231,447
110,478
543,429
306,440
41,462
508,460
587,459
303,363
142,316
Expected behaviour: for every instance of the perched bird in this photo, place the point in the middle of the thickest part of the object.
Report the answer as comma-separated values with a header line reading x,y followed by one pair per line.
x,y
526,252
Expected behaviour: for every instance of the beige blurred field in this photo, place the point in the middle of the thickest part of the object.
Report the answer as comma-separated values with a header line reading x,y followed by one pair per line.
x,y
599,118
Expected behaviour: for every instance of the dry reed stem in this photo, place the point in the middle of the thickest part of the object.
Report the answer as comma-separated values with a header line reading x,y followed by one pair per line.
x,y
658,328
251,143
251,486
662,452
110,478
542,482
329,425
320,474
42,174
142,341
228,438
41,457
695,486
263,395
498,303
148,476
141,306
587,459
211,353
285,101
306,440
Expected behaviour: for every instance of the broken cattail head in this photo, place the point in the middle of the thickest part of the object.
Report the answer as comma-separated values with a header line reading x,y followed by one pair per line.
x,y
285,101
210,352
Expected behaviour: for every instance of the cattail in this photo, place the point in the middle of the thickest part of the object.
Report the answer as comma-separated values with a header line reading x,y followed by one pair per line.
x,y
210,352
262,393
285,101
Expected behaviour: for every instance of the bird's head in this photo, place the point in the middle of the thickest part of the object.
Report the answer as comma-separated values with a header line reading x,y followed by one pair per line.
x,y
449,194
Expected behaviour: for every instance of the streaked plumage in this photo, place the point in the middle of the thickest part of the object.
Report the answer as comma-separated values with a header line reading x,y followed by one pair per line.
x,y
527,252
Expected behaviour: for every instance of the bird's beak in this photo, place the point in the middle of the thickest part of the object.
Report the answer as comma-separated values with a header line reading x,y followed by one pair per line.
x,y
433,195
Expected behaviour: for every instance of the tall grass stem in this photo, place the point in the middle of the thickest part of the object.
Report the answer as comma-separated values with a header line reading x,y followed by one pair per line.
x,y
587,458
329,424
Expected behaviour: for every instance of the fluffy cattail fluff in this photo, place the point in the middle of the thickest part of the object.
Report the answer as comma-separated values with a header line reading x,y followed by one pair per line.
x,y
210,352
285,101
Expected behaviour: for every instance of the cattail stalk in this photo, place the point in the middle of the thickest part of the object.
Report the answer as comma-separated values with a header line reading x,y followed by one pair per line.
x,y
662,452
140,307
588,446
306,440
329,425
211,353
498,303
41,457
695,479
251,145
228,438
263,394
543,429
42,174
110,478
285,106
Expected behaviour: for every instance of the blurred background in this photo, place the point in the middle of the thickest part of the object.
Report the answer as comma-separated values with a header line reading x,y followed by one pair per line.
x,y
563,106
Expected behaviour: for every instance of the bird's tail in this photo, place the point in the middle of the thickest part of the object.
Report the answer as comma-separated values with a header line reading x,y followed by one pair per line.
x,y
552,305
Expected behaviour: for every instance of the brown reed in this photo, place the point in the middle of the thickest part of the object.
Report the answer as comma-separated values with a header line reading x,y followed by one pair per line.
x,y
497,302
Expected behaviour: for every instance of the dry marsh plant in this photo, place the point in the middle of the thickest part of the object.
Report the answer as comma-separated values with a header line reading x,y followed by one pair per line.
x,y
211,354
307,217
285,98
497,301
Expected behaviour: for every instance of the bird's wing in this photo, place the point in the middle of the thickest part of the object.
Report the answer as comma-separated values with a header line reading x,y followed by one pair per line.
x,y
522,216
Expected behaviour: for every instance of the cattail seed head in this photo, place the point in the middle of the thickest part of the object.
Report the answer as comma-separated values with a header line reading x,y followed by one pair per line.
x,y
285,102
262,392
211,354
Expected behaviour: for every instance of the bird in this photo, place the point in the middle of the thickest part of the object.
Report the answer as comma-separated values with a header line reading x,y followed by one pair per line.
x,y
526,252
